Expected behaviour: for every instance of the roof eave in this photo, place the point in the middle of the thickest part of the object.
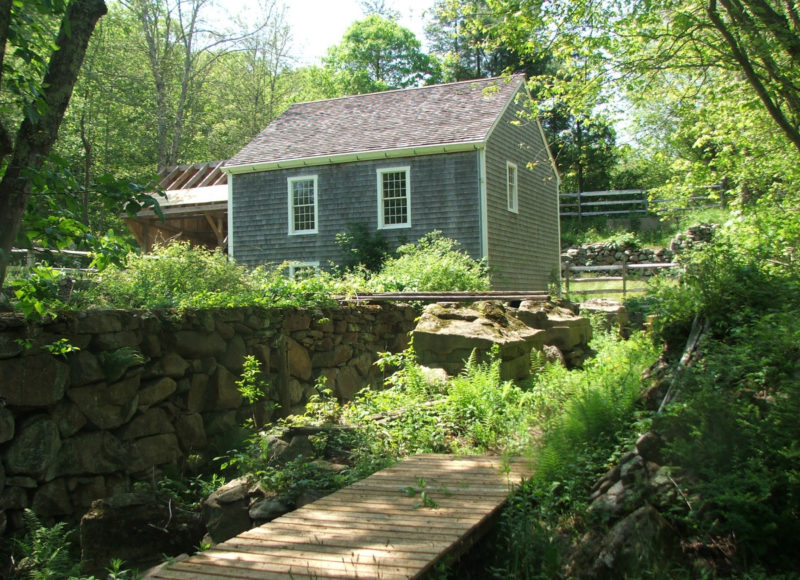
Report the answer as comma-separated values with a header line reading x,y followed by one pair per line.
x,y
353,157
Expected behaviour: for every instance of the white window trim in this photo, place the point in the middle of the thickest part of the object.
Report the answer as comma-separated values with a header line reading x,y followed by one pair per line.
x,y
295,266
379,172
289,182
512,194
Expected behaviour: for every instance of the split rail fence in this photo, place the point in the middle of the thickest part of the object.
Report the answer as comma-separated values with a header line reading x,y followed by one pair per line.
x,y
627,272
625,202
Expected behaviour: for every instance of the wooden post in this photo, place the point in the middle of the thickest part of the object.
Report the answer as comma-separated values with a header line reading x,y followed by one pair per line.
x,y
624,274
579,207
566,279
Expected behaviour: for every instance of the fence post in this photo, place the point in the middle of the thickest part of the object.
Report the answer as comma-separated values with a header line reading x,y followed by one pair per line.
x,y
30,259
579,208
566,279
624,274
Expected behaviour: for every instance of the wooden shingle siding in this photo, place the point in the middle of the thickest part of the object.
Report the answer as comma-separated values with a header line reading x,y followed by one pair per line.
x,y
444,192
523,247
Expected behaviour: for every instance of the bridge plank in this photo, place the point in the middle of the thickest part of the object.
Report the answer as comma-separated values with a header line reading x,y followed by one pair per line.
x,y
376,528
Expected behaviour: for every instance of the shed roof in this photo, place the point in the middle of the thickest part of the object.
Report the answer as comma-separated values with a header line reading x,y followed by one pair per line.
x,y
437,115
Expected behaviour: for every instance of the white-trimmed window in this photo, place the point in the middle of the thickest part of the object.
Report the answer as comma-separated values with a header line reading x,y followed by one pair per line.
x,y
394,198
302,270
303,204
512,188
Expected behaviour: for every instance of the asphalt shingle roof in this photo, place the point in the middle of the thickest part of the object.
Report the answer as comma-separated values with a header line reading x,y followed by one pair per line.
x,y
462,112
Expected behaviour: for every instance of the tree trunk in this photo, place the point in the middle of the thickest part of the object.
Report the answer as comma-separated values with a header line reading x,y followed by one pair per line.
x,y
35,138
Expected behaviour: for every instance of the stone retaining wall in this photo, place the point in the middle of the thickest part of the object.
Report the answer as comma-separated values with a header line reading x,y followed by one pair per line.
x,y
611,253
149,389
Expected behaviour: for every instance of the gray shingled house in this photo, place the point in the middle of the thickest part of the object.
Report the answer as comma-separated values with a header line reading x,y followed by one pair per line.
x,y
461,158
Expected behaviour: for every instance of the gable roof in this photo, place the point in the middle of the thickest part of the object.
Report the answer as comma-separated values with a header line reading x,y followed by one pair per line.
x,y
437,116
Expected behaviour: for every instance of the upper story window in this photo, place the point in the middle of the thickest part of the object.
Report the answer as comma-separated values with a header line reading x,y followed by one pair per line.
x,y
394,198
303,205
512,190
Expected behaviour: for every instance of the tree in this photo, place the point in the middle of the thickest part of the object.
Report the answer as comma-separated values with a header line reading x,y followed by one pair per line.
x,y
377,54
461,34
380,8
248,87
40,100
645,53
182,48
474,41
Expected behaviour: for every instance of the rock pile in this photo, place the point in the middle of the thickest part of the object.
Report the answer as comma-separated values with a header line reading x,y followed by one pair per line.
x,y
607,254
612,253
692,238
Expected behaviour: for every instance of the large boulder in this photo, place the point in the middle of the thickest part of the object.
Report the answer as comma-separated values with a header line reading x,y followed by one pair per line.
x,y
563,328
33,381
446,336
227,510
35,448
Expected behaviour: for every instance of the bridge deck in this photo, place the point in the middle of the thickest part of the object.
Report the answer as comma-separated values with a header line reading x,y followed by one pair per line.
x,y
397,523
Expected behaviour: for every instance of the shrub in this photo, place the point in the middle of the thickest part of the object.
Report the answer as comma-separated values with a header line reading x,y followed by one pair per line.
x,y
434,263
361,248
174,275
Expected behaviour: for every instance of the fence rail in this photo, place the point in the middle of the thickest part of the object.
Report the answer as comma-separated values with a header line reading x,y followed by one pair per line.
x,y
625,269
30,259
622,202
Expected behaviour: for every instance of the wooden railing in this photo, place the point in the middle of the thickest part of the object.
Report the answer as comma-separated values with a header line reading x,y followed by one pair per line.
x,y
30,259
623,202
627,273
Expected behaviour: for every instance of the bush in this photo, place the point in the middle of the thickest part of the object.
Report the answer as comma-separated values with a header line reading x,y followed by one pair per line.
x,y
176,274
734,430
434,263
361,248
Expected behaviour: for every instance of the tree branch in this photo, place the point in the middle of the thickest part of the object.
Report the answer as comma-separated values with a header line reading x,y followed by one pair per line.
x,y
755,81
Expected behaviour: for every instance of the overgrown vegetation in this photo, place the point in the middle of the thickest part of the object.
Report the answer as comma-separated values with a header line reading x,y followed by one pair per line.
x,y
731,431
179,275
626,233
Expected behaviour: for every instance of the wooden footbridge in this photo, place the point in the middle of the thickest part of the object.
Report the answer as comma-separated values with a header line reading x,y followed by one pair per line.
x,y
397,523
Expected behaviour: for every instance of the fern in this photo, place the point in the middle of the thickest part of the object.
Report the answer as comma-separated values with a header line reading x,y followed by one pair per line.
x,y
45,551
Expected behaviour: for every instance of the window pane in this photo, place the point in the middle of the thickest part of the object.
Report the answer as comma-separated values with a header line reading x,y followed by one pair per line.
x,y
512,187
303,204
395,198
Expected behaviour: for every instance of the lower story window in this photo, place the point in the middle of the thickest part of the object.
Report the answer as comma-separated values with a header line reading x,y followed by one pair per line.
x,y
303,270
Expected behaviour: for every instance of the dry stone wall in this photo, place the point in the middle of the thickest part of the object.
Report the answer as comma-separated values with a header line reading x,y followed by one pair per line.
x,y
148,389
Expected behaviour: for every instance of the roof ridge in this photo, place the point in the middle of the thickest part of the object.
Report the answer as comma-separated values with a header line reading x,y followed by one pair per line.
x,y
507,78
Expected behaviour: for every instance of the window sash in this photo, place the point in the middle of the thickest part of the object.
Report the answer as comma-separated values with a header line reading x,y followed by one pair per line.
x,y
512,187
394,199
303,213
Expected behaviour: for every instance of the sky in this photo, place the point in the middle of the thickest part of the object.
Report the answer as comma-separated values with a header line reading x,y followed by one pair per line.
x,y
319,24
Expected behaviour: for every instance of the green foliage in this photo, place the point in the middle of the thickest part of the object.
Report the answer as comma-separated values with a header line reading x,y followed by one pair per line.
x,y
44,552
60,347
583,412
433,263
174,275
361,248
734,431
377,54
115,362
38,295
475,411
253,386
